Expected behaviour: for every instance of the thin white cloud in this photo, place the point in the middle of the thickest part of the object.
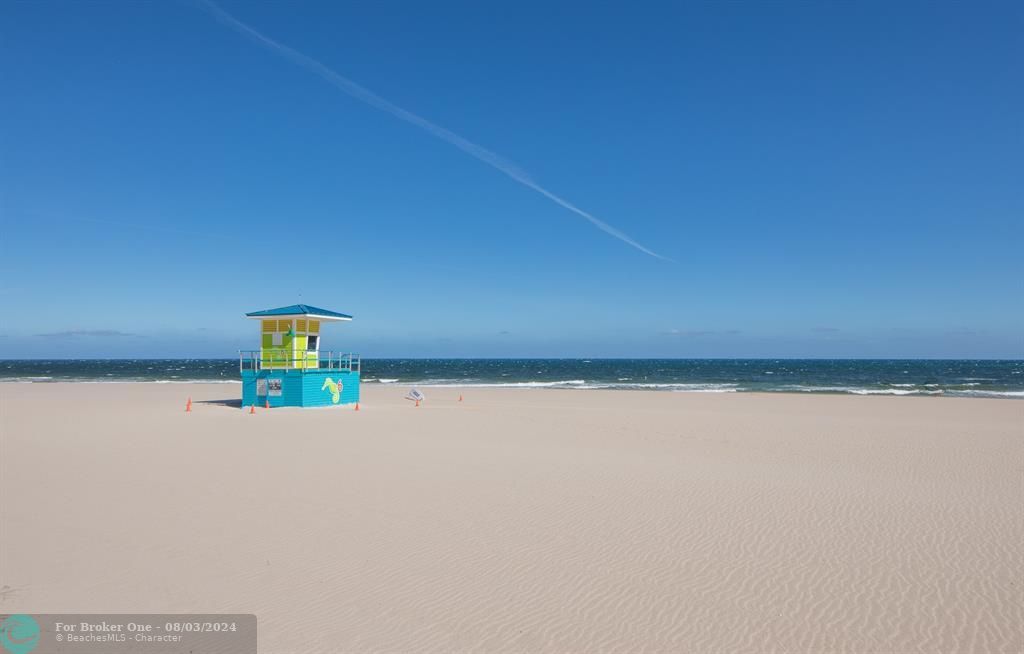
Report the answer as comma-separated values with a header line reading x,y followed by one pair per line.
x,y
690,333
369,97
99,333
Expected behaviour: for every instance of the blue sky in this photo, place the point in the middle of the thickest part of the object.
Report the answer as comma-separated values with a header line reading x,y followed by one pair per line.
x,y
827,180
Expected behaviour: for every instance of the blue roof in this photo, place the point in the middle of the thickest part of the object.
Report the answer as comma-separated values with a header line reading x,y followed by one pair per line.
x,y
300,310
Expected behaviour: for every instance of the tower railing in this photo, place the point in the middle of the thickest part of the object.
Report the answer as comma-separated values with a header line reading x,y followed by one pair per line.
x,y
284,359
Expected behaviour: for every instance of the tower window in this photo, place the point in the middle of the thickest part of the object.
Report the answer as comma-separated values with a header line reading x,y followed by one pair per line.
x,y
311,345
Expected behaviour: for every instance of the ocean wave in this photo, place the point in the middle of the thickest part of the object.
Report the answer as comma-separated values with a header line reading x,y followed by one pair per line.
x,y
890,391
675,387
813,389
448,383
980,393
192,381
858,390
150,381
957,379
583,384
51,380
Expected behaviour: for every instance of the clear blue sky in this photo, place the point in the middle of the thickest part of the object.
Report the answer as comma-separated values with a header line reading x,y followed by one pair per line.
x,y
828,179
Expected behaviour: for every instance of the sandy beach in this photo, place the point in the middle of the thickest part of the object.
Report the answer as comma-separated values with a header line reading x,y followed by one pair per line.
x,y
524,520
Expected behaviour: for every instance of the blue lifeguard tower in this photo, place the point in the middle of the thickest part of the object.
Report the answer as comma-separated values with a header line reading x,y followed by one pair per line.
x,y
290,369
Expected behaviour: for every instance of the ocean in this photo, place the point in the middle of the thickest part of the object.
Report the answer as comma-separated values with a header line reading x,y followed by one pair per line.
x,y
958,378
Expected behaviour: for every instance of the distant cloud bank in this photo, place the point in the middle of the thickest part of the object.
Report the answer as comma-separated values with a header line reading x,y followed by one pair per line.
x,y
90,333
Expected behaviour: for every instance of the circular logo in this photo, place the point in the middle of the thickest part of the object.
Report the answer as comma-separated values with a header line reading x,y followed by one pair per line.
x,y
19,634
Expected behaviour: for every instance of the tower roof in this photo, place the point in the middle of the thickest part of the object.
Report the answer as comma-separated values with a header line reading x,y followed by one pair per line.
x,y
300,310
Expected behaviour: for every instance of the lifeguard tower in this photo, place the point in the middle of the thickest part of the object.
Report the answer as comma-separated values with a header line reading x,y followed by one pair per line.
x,y
290,369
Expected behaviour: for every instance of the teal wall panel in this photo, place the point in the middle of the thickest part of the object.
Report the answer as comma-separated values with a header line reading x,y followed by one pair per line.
x,y
314,393
301,387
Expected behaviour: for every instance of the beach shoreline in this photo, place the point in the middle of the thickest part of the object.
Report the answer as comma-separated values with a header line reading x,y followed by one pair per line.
x,y
467,387
521,519
1002,379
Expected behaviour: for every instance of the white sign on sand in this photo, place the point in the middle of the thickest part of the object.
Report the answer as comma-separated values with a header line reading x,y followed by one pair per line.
x,y
415,395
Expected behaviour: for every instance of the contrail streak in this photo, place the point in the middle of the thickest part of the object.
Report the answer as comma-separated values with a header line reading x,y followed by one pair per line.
x,y
369,97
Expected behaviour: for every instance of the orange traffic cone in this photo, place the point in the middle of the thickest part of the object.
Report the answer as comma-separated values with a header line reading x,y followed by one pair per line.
x,y
266,404
357,406
460,397
188,405
417,402
252,408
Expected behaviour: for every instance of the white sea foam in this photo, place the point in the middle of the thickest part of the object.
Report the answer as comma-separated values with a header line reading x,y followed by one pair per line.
x,y
584,385
977,393
856,390
676,387
531,384
128,380
883,391
816,389
190,381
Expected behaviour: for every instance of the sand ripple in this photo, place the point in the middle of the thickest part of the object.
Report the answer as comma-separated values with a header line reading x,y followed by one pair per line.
x,y
541,521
